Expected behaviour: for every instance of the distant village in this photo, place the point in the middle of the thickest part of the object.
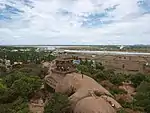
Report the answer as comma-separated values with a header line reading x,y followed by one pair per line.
x,y
9,58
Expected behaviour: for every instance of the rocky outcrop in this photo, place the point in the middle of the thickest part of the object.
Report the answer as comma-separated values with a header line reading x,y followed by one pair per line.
x,y
93,105
85,94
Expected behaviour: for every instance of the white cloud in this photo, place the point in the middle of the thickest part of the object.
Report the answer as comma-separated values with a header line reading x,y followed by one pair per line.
x,y
44,24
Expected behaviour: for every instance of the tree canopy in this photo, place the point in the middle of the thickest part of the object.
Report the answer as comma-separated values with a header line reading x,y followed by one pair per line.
x,y
142,96
15,89
59,103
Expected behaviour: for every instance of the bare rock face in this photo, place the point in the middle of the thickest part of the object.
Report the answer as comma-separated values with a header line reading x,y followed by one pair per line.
x,y
93,105
87,96
78,82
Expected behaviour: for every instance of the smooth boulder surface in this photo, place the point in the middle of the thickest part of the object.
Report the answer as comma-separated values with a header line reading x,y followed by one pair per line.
x,y
84,97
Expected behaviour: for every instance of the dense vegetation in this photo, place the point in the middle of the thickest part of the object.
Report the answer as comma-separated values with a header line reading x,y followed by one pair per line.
x,y
59,103
16,88
22,54
21,81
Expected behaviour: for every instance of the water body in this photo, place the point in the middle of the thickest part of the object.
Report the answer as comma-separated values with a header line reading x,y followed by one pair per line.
x,y
106,52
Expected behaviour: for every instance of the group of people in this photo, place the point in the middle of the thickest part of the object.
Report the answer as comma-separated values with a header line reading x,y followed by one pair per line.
x,y
61,68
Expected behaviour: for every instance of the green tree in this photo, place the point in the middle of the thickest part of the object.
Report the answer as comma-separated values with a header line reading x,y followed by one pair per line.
x,y
117,79
59,103
26,85
10,78
8,96
121,111
137,79
142,96
99,76
116,90
2,87
18,106
99,66
83,68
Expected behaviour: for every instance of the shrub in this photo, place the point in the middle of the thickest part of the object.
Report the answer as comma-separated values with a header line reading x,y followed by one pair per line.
x,y
116,90
142,96
59,103
121,111
137,79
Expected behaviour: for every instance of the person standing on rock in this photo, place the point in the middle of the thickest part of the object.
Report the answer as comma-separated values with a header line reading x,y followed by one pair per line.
x,y
82,74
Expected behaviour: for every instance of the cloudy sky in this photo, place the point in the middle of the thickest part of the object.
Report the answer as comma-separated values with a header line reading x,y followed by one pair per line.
x,y
50,22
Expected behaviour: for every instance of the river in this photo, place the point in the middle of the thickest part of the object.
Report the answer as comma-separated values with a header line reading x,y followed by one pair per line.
x,y
106,52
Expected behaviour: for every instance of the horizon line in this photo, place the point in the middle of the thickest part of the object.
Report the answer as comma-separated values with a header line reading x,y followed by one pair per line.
x,y
81,45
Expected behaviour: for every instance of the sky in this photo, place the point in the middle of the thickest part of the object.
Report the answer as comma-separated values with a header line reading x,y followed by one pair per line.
x,y
74,22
